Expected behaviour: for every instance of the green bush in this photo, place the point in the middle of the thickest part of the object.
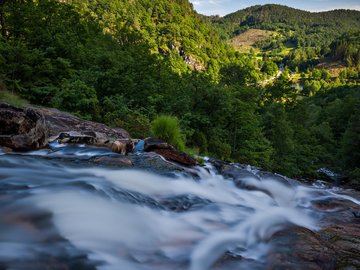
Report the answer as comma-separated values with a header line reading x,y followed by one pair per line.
x,y
167,128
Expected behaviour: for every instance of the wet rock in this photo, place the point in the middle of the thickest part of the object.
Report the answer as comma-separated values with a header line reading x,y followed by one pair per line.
x,y
177,156
32,128
168,152
155,163
74,137
337,210
121,146
182,203
334,204
114,161
334,247
241,174
39,250
22,129
308,250
232,261
5,150
237,172
68,128
345,239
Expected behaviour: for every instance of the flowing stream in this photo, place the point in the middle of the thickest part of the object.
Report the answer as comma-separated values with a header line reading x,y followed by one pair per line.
x,y
59,209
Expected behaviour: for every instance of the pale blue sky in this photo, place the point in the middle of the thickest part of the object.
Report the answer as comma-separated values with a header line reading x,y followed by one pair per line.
x,y
223,7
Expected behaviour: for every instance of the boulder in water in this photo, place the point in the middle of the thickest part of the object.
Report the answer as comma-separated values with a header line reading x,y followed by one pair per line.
x,y
22,129
168,152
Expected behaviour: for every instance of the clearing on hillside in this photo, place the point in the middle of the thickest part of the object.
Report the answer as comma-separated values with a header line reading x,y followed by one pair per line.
x,y
246,40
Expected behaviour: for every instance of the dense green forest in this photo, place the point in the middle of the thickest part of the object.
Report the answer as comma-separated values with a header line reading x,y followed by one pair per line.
x,y
126,62
300,39
301,28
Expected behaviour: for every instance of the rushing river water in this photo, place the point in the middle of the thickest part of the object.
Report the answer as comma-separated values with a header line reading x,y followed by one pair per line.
x,y
60,210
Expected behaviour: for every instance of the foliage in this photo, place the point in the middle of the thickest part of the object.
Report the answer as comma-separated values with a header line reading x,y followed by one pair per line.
x,y
347,49
77,97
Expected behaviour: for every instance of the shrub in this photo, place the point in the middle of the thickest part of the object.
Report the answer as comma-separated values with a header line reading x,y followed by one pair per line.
x,y
167,128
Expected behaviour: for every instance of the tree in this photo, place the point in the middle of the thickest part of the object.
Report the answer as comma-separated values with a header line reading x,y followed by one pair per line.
x,y
270,68
280,135
77,97
2,18
350,142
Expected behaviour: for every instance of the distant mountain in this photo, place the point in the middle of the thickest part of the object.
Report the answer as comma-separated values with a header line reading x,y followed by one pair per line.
x,y
302,28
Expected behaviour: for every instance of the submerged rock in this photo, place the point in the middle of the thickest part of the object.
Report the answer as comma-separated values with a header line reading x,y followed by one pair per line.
x,y
22,129
168,152
114,161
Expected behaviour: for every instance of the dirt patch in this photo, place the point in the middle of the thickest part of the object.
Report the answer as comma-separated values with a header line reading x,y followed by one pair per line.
x,y
250,37
334,68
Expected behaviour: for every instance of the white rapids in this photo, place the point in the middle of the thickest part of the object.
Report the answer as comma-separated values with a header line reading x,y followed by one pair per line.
x,y
119,219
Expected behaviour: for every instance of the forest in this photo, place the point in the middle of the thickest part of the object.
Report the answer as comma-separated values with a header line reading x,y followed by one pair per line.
x,y
124,63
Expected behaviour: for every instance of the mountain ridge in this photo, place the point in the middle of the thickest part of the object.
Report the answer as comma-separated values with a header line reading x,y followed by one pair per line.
x,y
304,27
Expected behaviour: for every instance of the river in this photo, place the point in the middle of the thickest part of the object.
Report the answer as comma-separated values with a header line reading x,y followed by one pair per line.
x,y
59,210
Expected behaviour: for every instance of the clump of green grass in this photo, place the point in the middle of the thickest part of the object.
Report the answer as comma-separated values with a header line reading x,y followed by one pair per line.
x,y
167,128
12,98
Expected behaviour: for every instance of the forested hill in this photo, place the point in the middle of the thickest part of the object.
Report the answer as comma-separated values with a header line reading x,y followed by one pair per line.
x,y
306,28
125,63
170,28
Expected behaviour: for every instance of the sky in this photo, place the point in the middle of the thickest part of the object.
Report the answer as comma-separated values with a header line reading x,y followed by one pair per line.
x,y
223,7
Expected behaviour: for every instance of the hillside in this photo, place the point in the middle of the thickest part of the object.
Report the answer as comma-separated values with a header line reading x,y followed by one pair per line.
x,y
249,38
169,28
125,63
302,28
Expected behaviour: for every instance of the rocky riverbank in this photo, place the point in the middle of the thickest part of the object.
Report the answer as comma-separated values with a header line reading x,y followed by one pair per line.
x,y
33,128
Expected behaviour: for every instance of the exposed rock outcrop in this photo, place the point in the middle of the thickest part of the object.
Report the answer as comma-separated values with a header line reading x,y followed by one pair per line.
x,y
68,128
58,122
32,128
168,152
22,129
